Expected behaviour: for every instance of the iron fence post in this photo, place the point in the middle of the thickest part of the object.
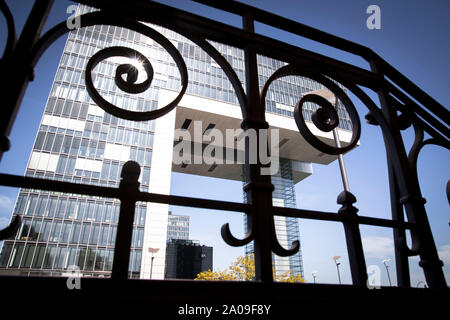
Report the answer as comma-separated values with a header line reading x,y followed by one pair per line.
x,y
258,187
400,246
353,238
409,191
17,68
128,189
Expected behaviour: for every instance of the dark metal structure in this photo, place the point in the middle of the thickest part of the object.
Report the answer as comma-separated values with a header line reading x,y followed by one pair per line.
x,y
401,105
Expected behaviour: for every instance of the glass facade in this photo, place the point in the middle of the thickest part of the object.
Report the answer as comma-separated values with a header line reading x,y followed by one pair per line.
x,y
177,227
78,142
286,228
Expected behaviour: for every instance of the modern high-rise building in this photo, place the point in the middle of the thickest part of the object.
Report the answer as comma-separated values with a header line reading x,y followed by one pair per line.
x,y
177,226
78,142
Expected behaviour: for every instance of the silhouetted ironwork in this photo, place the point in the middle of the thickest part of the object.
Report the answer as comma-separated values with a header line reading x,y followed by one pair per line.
x,y
398,112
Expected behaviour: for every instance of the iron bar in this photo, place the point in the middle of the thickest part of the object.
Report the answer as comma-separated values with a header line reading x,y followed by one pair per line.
x,y
353,239
400,246
17,66
128,188
409,191
259,188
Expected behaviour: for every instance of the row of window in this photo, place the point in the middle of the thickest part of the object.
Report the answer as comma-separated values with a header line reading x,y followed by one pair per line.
x,y
65,144
42,256
47,230
63,207
76,110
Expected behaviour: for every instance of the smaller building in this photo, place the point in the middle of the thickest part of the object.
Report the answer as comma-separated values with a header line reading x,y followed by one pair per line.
x,y
187,258
177,226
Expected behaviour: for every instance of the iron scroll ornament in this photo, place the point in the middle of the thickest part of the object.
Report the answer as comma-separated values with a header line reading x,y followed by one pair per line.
x,y
128,85
325,118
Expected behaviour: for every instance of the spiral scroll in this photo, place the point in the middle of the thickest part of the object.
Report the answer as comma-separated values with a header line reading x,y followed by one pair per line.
x,y
129,85
325,118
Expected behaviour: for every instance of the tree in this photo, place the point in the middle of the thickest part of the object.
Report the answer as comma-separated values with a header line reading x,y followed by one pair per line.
x,y
243,269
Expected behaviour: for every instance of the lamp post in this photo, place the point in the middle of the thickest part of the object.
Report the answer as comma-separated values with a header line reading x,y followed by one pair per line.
x,y
385,261
327,94
152,251
421,282
336,258
314,274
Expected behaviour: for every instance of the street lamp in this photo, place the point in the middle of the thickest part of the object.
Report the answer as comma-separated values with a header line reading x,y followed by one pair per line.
x,y
152,251
336,258
314,274
421,282
385,261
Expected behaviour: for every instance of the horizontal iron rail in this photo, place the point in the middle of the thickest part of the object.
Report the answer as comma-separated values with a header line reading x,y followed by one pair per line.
x,y
108,192
332,216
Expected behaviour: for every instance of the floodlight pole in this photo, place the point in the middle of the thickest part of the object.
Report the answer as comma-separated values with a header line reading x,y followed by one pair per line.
x,y
387,270
340,156
152,251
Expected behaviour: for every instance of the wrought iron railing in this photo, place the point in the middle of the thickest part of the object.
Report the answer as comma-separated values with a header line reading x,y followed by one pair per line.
x,y
397,112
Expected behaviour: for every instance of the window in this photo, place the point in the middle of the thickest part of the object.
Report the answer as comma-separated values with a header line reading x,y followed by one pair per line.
x,y
48,142
115,216
90,210
112,236
83,147
50,257
16,255
60,258
38,256
86,228
75,146
75,232
42,203
90,259
45,230
65,231
31,204
94,234
70,168
54,234
72,207
100,150
81,257
113,171
39,140
146,176
51,210
105,170
98,212
103,240
58,142
24,229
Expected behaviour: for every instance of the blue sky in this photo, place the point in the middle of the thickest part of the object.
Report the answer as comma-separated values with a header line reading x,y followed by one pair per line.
x,y
412,38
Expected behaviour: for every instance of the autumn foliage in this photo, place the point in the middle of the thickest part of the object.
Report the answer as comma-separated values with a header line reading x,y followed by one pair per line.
x,y
243,269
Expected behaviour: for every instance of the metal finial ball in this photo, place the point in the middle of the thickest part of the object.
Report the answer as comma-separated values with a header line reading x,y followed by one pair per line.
x,y
131,171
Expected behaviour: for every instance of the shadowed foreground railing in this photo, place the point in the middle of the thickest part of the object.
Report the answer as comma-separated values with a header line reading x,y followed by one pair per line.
x,y
402,105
